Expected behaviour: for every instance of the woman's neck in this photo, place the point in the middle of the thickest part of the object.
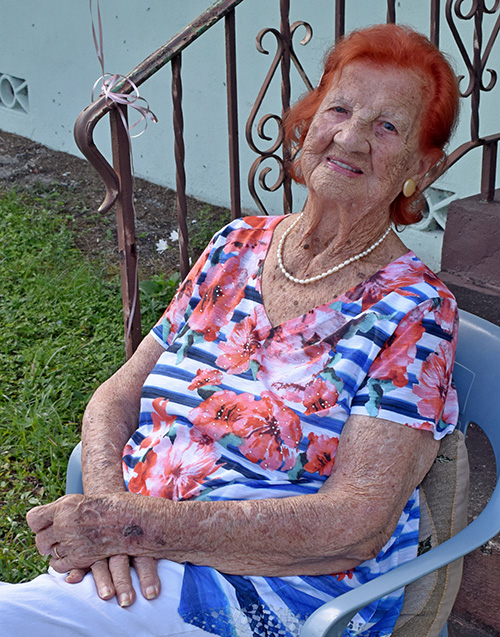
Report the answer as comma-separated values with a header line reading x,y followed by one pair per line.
x,y
337,232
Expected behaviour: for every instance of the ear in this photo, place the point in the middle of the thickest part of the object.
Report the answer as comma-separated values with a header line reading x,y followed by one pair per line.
x,y
425,165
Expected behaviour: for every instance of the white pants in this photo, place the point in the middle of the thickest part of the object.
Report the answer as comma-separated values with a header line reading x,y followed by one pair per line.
x,y
50,607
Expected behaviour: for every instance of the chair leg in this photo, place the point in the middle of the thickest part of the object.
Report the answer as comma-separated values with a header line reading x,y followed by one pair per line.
x,y
74,473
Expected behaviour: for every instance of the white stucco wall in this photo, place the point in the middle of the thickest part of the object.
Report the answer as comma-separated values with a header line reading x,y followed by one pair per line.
x,y
49,44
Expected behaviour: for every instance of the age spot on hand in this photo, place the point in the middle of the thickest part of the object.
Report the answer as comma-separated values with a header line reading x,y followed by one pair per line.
x,y
132,530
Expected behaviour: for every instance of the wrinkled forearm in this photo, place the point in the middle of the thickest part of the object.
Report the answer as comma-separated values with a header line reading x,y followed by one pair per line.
x,y
110,419
107,425
348,521
302,535
306,535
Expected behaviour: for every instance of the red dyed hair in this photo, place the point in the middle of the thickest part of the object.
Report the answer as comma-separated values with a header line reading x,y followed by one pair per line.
x,y
393,46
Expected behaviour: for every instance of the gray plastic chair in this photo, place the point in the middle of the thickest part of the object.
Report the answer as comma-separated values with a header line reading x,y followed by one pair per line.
x,y
477,368
74,473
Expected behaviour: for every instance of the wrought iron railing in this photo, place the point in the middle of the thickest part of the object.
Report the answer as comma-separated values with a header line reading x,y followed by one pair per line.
x,y
118,179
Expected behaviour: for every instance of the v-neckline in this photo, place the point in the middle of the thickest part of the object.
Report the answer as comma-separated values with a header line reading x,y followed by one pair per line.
x,y
300,318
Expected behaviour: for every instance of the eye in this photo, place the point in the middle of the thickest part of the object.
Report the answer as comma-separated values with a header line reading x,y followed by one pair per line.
x,y
389,127
339,109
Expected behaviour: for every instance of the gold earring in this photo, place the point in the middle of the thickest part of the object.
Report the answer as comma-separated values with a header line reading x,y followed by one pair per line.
x,y
409,187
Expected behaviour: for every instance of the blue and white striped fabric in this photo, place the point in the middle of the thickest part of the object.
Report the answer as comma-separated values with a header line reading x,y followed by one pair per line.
x,y
238,409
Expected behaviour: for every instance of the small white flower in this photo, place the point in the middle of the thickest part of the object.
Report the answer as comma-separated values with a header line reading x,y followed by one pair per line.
x,y
174,235
161,246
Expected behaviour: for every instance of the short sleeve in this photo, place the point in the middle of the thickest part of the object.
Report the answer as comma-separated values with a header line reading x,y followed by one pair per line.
x,y
178,311
410,381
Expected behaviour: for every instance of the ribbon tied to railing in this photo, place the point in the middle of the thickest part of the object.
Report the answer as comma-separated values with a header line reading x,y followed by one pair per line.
x,y
107,82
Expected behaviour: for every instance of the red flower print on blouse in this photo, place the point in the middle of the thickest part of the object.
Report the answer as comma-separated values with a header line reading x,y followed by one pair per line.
x,y
434,381
320,396
221,291
272,434
176,310
435,281
343,575
159,415
321,454
269,429
249,239
400,350
258,222
162,421
240,346
174,470
446,315
206,377
450,409
405,270
221,414
296,351
141,472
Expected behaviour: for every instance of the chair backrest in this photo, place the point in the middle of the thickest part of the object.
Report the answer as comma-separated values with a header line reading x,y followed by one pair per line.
x,y
477,377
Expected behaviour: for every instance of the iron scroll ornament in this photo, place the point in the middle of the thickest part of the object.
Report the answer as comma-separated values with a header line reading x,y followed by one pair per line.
x,y
475,64
257,172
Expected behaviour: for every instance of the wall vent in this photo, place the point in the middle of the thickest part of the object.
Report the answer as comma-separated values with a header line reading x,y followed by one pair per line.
x,y
13,93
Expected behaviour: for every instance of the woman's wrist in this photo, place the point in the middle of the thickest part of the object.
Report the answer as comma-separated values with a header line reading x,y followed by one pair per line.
x,y
142,523
102,472
97,483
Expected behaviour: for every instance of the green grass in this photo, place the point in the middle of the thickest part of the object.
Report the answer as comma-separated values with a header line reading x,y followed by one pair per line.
x,y
61,335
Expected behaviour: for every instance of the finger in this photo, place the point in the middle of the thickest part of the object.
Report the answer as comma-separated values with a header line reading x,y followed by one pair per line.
x,y
103,580
147,570
76,575
119,566
44,541
63,564
40,517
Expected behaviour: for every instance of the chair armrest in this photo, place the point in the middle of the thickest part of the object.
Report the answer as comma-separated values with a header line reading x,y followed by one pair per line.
x,y
74,473
332,618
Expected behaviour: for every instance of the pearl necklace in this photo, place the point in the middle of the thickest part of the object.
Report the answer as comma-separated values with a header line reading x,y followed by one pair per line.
x,y
336,268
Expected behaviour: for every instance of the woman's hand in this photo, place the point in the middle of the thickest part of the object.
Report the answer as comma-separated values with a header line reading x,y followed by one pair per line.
x,y
78,532
112,577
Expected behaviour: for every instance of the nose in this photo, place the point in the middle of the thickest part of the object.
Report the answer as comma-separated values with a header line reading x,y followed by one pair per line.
x,y
353,135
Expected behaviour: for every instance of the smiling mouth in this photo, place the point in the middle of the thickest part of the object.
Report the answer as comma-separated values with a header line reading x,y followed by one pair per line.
x,y
341,164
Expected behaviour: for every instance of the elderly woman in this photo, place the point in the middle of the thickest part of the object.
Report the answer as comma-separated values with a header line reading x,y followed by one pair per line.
x,y
261,452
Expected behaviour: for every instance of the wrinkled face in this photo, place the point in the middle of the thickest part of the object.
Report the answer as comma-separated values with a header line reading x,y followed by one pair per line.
x,y
363,141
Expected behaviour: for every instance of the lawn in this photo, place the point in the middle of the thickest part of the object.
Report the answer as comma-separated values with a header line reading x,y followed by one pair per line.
x,y
61,336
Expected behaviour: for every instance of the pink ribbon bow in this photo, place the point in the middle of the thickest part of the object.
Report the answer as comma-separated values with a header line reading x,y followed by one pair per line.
x,y
108,82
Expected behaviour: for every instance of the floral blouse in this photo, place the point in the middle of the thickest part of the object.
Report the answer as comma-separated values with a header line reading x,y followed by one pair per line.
x,y
238,409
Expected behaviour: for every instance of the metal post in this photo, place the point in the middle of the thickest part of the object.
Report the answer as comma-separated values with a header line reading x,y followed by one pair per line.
x,y
489,168
477,70
180,173
125,222
285,96
435,21
232,116
391,11
339,19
